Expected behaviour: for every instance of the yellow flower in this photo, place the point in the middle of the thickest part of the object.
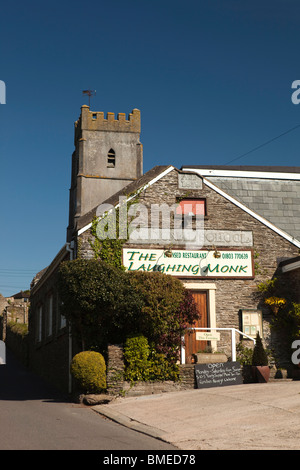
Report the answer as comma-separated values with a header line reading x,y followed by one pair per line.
x,y
275,301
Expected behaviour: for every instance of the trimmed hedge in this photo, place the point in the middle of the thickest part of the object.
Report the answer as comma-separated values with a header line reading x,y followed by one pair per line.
x,y
143,363
89,370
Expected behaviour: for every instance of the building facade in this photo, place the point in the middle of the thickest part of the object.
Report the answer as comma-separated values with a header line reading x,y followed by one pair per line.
x,y
240,244
240,250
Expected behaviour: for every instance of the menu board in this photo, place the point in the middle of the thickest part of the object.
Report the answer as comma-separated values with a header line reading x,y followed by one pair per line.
x,y
218,375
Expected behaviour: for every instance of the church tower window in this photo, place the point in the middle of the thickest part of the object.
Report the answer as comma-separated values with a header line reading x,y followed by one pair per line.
x,y
111,159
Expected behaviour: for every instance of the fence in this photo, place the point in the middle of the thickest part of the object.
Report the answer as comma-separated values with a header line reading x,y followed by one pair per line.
x,y
233,340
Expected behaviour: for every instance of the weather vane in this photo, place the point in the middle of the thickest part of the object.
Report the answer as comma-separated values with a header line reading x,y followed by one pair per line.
x,y
89,93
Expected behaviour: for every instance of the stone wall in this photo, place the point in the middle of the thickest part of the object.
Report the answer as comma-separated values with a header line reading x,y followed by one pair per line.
x,y
18,345
117,386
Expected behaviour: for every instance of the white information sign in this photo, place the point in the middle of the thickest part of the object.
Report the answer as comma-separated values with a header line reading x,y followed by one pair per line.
x,y
184,263
207,336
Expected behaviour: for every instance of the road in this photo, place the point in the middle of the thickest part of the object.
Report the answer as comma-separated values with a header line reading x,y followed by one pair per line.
x,y
33,416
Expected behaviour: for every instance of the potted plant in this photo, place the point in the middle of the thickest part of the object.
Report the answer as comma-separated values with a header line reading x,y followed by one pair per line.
x,y
275,303
260,362
208,356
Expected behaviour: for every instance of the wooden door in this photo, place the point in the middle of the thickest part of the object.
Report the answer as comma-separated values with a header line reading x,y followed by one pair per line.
x,y
192,346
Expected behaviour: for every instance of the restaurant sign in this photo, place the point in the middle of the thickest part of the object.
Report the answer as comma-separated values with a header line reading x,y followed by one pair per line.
x,y
183,263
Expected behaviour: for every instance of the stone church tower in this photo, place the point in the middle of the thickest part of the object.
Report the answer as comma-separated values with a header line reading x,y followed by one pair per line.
x,y
108,156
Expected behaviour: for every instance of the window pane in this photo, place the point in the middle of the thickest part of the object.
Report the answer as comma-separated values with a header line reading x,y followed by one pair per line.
x,y
191,206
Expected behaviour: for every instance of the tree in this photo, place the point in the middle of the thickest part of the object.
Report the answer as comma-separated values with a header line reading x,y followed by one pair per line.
x,y
106,304
168,310
259,357
97,300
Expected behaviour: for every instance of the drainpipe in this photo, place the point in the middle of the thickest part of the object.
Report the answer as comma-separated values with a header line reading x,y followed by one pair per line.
x,y
70,249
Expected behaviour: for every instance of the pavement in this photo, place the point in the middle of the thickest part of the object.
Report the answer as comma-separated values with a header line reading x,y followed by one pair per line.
x,y
235,417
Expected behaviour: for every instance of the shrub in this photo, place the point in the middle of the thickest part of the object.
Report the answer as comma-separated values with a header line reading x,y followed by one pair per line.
x,y
259,357
98,301
160,368
143,363
244,355
167,310
136,353
89,370
20,329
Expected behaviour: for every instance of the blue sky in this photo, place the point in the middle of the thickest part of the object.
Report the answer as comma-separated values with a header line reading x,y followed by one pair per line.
x,y
212,80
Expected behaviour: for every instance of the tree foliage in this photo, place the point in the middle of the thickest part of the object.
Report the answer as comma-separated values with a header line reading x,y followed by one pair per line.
x,y
168,310
144,363
97,300
104,303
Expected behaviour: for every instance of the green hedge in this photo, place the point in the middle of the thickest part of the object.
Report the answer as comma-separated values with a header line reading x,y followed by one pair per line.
x,y
89,371
143,363
20,329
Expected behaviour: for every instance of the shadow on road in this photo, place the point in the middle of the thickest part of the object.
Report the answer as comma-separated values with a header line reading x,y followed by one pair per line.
x,y
18,383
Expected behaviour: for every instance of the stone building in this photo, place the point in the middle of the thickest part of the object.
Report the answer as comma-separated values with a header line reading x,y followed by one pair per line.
x,y
108,155
244,239
14,309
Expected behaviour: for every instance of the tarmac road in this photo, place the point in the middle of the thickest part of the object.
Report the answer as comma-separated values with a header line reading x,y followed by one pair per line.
x,y
35,417
238,417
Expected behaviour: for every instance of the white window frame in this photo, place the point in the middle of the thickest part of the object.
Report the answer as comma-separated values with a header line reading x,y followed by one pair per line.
x,y
62,321
40,323
50,316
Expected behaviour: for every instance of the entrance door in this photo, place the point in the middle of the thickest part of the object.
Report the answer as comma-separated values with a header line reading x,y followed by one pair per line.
x,y
192,346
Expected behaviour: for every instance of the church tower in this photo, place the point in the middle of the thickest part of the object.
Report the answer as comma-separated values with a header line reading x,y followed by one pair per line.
x,y
108,156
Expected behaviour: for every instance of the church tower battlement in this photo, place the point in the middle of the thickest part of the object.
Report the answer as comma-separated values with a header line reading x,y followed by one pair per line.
x,y
95,121
108,156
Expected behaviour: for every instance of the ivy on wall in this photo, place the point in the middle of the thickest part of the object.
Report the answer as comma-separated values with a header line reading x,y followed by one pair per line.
x,y
108,240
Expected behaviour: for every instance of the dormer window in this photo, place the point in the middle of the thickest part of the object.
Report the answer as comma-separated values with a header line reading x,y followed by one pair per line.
x,y
111,159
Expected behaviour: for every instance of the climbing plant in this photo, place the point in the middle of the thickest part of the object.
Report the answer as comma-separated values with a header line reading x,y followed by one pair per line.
x,y
108,239
279,298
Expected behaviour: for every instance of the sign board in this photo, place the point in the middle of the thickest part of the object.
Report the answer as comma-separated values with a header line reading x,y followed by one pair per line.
x,y
207,336
2,353
218,375
228,238
197,264
252,322
222,238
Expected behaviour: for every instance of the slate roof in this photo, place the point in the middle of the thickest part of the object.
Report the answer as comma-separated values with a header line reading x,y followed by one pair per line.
x,y
274,198
269,169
